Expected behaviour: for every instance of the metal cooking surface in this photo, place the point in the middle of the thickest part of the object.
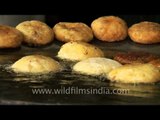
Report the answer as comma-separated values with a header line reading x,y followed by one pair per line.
x,y
17,88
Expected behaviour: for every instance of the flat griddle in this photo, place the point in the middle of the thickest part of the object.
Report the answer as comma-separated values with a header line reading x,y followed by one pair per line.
x,y
16,89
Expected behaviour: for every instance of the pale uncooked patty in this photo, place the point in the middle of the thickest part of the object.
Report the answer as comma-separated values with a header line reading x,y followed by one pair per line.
x,y
36,64
96,66
135,73
76,51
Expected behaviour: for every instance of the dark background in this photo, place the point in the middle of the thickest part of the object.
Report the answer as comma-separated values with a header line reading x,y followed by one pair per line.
x,y
51,20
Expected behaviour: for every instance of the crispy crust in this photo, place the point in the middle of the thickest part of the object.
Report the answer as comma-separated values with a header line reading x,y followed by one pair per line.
x,y
10,37
134,57
109,28
67,32
145,32
155,62
36,32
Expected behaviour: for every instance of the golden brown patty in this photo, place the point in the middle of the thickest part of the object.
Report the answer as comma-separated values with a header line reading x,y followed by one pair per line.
x,y
76,51
36,32
145,32
109,28
134,57
135,73
67,32
10,37
155,62
36,64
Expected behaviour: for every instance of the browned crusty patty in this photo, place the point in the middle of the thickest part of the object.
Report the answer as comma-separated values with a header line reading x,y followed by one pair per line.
x,y
134,57
155,62
73,31
145,32
109,28
10,37
36,33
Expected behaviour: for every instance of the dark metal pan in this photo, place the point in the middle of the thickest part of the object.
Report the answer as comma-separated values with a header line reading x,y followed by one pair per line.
x,y
18,88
